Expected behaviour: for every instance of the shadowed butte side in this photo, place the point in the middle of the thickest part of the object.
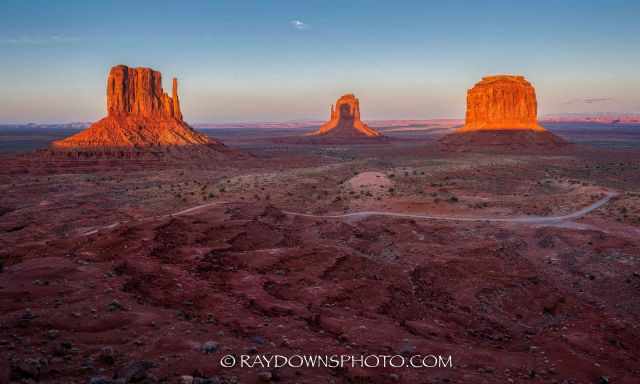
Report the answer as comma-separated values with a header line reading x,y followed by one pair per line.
x,y
140,116
502,110
345,120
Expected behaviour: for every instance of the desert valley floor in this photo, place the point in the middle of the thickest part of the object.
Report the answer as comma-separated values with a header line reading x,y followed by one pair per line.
x,y
146,271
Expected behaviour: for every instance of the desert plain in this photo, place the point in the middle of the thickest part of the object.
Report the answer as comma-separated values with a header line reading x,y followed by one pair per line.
x,y
520,265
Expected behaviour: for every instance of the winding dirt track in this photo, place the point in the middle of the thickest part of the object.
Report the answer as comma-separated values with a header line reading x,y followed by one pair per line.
x,y
522,220
178,213
364,214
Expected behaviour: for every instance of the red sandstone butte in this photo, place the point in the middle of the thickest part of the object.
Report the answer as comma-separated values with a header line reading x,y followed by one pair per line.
x,y
139,115
501,102
502,113
345,120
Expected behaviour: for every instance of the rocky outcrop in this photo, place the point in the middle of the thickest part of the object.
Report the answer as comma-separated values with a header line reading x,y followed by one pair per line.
x,y
130,131
501,102
501,114
506,139
140,115
345,120
177,113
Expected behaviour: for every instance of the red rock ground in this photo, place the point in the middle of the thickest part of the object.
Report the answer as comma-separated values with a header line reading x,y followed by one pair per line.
x,y
139,301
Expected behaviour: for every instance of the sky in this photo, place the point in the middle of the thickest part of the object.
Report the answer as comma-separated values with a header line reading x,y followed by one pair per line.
x,y
289,60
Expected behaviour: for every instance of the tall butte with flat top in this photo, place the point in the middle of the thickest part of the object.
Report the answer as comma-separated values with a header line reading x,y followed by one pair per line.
x,y
345,120
502,102
140,116
502,110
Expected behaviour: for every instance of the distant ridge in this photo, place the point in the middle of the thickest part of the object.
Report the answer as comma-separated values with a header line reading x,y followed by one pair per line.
x,y
596,117
317,123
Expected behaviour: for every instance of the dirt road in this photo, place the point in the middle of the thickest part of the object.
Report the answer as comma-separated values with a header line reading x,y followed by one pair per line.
x,y
523,219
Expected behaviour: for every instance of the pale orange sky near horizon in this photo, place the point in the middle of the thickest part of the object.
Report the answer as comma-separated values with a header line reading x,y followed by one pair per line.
x,y
284,61
396,102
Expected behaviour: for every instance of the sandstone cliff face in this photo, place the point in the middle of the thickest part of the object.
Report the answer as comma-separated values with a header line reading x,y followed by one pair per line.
x,y
502,115
139,115
345,120
501,102
138,91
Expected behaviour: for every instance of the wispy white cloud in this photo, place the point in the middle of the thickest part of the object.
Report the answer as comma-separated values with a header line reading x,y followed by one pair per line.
x,y
593,100
590,100
299,25
39,40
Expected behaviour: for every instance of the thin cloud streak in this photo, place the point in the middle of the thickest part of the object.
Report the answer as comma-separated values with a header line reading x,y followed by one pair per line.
x,y
39,40
590,100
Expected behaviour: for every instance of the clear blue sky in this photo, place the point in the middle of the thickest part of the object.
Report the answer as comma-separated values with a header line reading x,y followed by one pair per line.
x,y
289,60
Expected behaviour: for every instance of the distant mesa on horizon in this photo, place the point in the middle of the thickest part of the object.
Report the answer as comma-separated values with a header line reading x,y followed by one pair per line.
x,y
622,118
140,116
502,110
345,121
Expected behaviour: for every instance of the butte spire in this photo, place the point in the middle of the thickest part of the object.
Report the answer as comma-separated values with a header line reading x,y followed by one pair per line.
x,y
141,118
345,121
